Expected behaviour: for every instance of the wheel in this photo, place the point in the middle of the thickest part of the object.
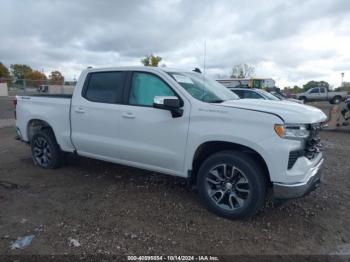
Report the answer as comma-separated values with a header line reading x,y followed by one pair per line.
x,y
336,100
303,98
232,185
46,152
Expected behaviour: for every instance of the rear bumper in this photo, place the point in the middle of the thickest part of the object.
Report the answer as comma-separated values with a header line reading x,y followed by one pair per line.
x,y
299,189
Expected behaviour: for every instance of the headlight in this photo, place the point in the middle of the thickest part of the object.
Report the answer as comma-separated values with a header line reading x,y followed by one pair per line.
x,y
291,131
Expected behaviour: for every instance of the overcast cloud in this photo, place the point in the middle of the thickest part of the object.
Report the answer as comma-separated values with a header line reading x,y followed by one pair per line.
x,y
291,41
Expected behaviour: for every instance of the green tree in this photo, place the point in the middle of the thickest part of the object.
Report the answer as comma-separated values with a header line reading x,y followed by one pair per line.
x,y
313,83
20,71
151,60
56,78
293,90
4,72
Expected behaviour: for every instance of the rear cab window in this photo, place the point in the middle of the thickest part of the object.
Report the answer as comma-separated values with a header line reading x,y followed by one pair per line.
x,y
104,87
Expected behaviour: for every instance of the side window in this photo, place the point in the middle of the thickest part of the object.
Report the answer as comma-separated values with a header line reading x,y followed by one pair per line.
x,y
322,90
239,93
314,91
104,87
144,87
252,95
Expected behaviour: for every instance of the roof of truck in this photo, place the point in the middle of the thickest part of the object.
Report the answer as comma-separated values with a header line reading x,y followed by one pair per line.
x,y
143,68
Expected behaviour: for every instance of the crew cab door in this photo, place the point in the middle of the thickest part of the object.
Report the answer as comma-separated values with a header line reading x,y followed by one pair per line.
x,y
314,94
151,138
95,115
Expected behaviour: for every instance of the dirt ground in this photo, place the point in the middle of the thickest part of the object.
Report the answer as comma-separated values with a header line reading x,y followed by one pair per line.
x,y
112,209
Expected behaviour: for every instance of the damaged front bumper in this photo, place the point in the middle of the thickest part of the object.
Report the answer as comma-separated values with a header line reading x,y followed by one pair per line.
x,y
302,188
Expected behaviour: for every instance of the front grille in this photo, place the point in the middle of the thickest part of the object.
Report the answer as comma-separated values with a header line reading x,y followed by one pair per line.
x,y
311,149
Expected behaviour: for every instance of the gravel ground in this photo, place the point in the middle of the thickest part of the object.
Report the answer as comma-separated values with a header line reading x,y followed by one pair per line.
x,y
112,209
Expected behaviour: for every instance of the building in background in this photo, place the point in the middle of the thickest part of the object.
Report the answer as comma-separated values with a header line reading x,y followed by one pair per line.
x,y
260,83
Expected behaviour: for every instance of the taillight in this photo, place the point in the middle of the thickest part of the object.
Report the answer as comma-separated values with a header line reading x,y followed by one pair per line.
x,y
15,104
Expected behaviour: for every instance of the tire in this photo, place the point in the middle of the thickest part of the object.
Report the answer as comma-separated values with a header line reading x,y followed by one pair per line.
x,y
46,152
336,100
304,99
242,195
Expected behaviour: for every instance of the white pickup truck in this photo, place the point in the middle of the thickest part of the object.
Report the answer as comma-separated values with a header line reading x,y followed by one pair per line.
x,y
184,124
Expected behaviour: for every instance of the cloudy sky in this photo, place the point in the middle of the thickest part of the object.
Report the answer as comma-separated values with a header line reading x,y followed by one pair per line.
x,y
292,41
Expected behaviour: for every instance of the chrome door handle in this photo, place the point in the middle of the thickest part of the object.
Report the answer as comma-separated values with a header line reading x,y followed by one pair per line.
x,y
128,115
80,110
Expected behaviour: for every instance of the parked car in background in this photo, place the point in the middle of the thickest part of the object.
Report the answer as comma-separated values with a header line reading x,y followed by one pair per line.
x,y
42,88
184,124
322,94
252,93
283,97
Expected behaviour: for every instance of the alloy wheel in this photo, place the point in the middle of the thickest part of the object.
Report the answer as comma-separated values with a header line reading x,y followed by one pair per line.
x,y
227,187
42,152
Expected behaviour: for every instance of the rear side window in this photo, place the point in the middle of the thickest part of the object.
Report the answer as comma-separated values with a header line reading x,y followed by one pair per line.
x,y
104,87
252,95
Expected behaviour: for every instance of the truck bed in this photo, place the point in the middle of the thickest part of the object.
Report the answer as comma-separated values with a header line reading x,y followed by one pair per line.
x,y
54,109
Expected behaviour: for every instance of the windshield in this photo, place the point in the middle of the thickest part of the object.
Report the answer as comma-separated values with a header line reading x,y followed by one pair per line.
x,y
279,95
268,95
203,88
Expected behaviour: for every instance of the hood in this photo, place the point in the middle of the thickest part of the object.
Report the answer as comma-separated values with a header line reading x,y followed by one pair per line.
x,y
291,113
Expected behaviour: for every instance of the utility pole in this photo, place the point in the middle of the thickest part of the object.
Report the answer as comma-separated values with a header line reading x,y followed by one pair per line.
x,y
342,79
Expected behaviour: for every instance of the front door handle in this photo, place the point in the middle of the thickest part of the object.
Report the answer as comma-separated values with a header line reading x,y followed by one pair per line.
x,y
128,115
80,110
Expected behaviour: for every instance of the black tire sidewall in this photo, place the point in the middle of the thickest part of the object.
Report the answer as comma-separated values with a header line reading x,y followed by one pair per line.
x,y
336,100
56,154
256,179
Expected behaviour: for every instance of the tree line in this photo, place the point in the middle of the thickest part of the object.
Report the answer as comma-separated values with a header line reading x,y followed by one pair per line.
x,y
24,74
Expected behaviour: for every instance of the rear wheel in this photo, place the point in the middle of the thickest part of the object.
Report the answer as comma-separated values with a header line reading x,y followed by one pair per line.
x,y
231,185
46,152
336,100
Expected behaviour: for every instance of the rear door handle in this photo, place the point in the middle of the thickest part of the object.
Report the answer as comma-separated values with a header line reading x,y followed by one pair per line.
x,y
80,110
128,115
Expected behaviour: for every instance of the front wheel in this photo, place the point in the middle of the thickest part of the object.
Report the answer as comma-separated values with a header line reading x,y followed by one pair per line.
x,y
231,185
45,150
304,99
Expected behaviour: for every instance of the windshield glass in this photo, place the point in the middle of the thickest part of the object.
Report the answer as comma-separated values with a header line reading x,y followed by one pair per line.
x,y
203,88
279,95
268,95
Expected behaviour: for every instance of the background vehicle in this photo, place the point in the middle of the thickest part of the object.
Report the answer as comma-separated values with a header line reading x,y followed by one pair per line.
x,y
252,93
184,124
283,97
322,94
42,88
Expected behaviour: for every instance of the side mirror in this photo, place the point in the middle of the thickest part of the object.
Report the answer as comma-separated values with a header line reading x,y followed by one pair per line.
x,y
171,103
